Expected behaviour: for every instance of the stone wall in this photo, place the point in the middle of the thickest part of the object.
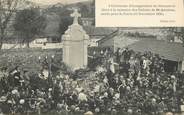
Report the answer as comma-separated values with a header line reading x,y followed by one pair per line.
x,y
42,46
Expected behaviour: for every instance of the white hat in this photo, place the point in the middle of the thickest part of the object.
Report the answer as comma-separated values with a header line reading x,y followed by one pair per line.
x,y
50,89
53,56
9,102
14,91
77,109
130,111
22,101
153,100
117,95
173,77
89,113
105,94
169,113
3,98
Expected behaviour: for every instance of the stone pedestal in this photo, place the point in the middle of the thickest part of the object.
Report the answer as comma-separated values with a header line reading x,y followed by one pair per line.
x,y
75,45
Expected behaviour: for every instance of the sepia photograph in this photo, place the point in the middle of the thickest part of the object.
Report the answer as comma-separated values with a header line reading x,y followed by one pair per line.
x,y
54,60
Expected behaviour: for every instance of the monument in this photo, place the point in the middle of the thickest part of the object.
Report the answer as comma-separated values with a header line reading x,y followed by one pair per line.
x,y
75,44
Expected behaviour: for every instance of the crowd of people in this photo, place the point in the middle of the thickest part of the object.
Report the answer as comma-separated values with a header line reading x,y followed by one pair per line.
x,y
122,82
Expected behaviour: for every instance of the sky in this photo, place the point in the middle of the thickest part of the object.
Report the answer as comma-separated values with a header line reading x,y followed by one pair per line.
x,y
50,2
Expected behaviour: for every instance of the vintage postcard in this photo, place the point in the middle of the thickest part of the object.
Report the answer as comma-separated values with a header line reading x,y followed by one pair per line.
x,y
91,57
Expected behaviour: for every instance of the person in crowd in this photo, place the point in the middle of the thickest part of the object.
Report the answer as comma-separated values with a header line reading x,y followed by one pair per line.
x,y
140,85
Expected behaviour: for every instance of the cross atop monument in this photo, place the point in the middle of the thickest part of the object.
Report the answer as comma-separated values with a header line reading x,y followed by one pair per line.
x,y
75,15
75,44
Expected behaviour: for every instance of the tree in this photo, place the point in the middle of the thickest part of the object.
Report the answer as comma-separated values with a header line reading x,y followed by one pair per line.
x,y
87,9
65,20
29,23
7,11
64,23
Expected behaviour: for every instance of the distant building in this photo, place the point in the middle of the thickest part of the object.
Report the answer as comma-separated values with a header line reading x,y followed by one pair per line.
x,y
97,33
121,38
171,52
40,41
141,41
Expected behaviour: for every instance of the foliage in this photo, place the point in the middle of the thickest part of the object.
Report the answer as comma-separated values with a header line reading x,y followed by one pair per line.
x,y
65,19
87,9
7,11
29,22
139,35
64,11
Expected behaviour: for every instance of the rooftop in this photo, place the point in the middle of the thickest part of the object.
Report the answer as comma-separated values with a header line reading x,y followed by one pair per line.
x,y
98,31
168,50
